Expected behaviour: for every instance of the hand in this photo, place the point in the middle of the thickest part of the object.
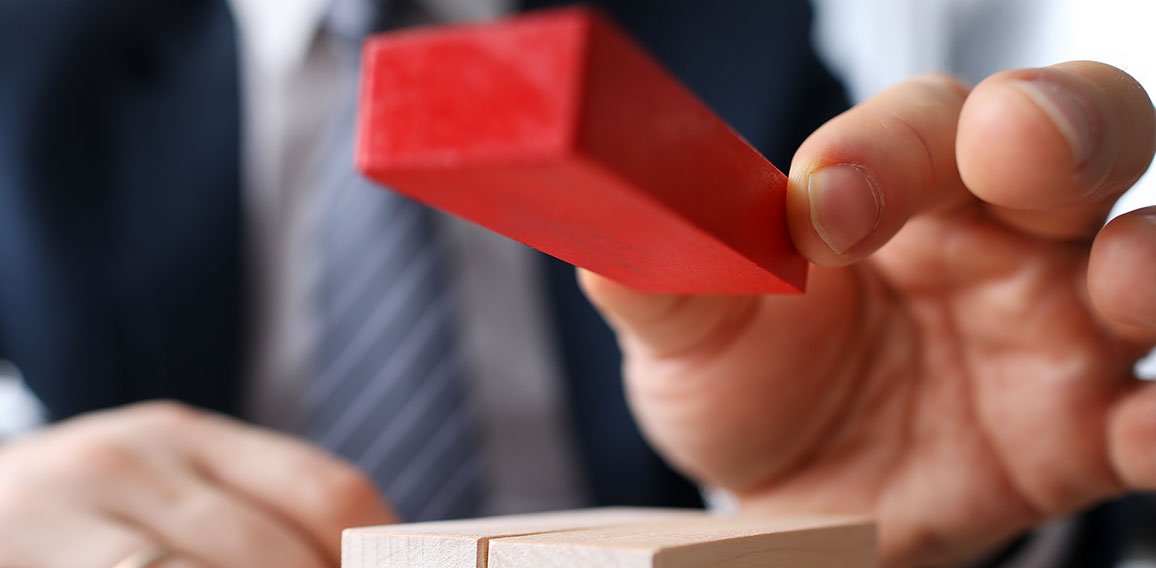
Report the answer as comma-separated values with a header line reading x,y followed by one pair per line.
x,y
961,364
94,490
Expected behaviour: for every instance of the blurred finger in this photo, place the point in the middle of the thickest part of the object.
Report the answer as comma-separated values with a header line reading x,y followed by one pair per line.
x,y
202,523
93,540
1122,270
132,548
305,490
1132,438
860,177
32,537
316,492
1053,148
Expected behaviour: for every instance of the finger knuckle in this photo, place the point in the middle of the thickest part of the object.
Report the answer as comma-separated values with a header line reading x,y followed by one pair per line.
x,y
101,457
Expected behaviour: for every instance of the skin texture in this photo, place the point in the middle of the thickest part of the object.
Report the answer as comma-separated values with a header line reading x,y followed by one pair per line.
x,y
94,490
961,364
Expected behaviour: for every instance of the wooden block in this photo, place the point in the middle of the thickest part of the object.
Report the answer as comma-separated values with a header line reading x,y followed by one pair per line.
x,y
814,542
557,130
465,543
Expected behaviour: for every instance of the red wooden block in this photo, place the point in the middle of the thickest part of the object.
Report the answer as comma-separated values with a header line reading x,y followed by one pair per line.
x,y
557,130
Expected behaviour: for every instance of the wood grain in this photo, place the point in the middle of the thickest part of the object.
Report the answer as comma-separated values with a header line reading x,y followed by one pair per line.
x,y
465,543
795,542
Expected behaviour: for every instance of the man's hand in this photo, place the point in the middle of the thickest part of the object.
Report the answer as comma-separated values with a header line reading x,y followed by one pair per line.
x,y
94,490
961,365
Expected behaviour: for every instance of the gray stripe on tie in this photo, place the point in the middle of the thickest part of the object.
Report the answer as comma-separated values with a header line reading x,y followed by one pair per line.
x,y
386,379
415,410
442,505
364,338
357,283
442,440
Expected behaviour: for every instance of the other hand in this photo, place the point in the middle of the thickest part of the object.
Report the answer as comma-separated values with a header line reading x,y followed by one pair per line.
x,y
96,489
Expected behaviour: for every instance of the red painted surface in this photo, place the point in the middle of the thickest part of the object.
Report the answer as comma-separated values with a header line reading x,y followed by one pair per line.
x,y
556,130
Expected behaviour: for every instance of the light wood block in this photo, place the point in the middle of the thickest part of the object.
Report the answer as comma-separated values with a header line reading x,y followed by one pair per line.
x,y
465,543
794,542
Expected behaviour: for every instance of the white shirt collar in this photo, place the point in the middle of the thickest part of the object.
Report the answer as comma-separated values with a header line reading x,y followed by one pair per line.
x,y
278,33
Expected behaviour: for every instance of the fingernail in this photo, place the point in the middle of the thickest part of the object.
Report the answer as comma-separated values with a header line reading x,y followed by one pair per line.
x,y
845,205
1066,111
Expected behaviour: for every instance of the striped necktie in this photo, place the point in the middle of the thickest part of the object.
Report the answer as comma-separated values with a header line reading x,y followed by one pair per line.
x,y
389,392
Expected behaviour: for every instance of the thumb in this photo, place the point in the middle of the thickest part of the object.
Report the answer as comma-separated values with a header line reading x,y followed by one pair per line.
x,y
664,325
